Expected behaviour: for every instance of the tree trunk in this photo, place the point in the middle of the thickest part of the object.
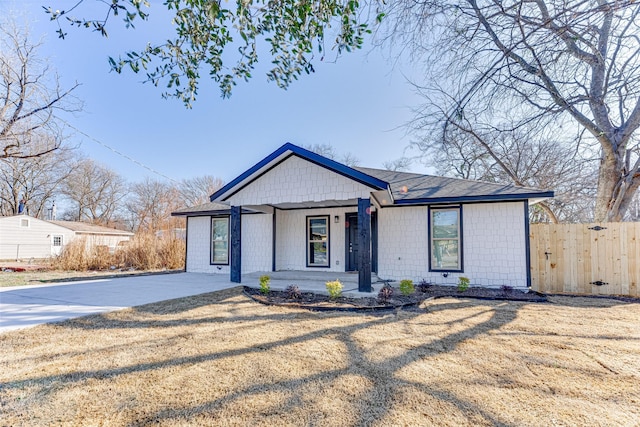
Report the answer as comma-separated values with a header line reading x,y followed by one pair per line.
x,y
616,188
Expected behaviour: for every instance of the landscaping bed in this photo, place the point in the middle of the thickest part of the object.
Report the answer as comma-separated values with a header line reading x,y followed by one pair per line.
x,y
313,301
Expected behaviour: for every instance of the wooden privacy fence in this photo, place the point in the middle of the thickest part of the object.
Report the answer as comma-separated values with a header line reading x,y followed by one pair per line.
x,y
594,259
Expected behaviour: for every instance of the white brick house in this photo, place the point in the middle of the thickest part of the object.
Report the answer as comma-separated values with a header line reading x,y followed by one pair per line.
x,y
297,210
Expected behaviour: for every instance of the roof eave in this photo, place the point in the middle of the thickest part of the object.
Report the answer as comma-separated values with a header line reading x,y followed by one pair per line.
x,y
538,196
209,213
106,233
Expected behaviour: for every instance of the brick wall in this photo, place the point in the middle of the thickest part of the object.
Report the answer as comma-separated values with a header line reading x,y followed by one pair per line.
x,y
199,247
291,229
493,244
256,245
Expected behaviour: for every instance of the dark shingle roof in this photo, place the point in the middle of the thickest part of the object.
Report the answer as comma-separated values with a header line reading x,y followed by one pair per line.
x,y
410,188
203,209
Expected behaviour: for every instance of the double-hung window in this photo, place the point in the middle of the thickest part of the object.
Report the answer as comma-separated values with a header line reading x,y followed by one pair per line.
x,y
318,241
445,232
220,240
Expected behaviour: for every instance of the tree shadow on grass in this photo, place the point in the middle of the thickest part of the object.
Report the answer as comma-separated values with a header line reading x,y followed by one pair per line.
x,y
371,407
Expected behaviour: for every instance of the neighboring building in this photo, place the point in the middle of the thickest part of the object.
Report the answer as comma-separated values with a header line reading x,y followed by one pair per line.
x,y
297,210
25,237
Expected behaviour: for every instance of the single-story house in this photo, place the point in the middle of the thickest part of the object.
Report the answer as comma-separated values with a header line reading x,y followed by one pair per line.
x,y
297,210
25,237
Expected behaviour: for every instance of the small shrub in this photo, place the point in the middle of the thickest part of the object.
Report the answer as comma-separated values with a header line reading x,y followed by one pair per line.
x,y
463,283
264,284
424,286
506,289
406,287
385,293
334,288
293,292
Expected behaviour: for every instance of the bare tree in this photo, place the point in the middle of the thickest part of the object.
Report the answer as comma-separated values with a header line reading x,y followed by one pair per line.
x,y
34,180
196,191
574,65
95,191
525,159
151,203
31,98
400,164
329,151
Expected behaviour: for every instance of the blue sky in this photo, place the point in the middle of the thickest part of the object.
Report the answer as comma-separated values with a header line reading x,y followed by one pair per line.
x,y
358,104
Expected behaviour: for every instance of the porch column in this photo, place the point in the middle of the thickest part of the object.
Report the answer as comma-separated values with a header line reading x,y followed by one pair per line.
x,y
236,240
364,245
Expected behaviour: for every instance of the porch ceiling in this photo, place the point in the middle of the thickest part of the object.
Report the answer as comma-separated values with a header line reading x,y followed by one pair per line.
x,y
321,204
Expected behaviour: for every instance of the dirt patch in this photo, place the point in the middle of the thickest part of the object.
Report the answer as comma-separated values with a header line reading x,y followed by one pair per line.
x,y
318,302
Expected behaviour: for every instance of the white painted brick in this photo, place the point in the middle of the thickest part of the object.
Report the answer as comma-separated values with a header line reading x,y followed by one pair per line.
x,y
256,242
493,244
291,235
199,247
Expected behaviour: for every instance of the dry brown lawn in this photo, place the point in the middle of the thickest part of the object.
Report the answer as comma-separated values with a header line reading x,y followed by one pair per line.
x,y
222,359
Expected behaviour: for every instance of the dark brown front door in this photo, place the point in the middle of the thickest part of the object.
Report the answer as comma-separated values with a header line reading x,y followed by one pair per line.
x,y
351,248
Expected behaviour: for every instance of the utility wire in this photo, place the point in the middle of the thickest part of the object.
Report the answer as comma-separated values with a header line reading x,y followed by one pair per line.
x,y
142,165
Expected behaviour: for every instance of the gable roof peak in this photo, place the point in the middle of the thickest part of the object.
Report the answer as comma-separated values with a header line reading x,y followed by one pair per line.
x,y
281,154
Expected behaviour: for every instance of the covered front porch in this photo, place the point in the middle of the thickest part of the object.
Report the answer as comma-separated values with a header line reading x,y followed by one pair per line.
x,y
310,201
312,239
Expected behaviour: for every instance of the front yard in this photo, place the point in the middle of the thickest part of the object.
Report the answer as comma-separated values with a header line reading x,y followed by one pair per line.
x,y
222,359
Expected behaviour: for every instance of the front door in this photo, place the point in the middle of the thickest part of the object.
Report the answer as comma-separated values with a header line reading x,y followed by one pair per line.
x,y
351,247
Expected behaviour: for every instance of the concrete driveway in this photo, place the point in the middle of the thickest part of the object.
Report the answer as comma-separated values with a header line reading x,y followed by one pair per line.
x,y
26,306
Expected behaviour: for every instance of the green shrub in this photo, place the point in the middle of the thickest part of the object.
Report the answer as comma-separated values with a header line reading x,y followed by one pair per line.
x,y
264,284
463,283
406,287
334,288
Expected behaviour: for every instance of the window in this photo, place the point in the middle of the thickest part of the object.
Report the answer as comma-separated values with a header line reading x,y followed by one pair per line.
x,y
220,240
446,240
24,222
57,240
318,241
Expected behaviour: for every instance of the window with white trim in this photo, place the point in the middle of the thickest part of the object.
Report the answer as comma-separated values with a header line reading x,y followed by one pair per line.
x,y
318,241
57,240
445,238
220,240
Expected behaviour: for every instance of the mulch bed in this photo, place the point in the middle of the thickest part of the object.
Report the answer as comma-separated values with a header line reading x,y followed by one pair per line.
x,y
320,302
